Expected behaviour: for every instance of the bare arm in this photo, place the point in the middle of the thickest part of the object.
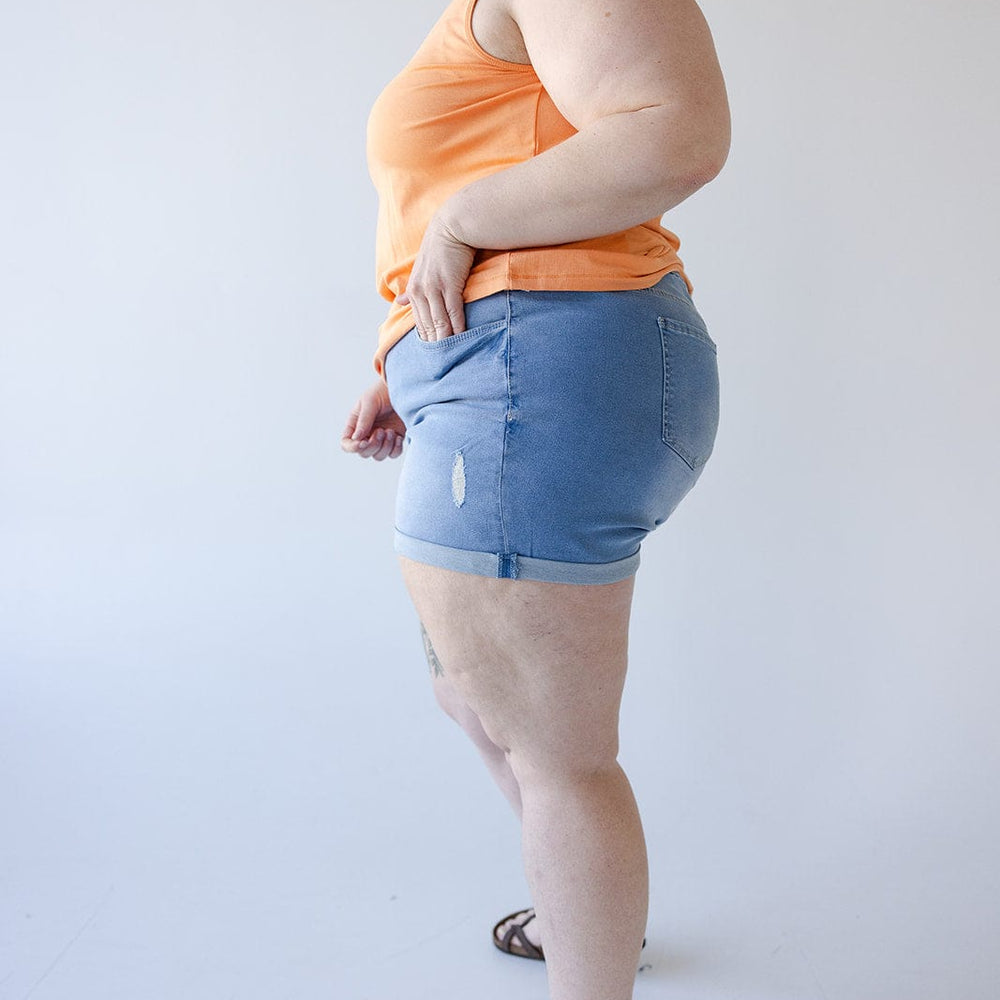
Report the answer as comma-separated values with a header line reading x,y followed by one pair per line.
x,y
641,82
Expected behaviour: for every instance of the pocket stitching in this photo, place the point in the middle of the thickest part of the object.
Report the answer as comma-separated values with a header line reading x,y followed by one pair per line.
x,y
465,336
668,325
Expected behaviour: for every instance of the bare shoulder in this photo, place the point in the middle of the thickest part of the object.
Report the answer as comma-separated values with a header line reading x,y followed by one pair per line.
x,y
599,57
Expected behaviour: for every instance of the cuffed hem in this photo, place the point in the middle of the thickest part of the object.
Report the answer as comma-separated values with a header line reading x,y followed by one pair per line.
x,y
511,565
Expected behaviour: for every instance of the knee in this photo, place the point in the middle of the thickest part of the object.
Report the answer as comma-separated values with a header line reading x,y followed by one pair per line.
x,y
545,764
456,707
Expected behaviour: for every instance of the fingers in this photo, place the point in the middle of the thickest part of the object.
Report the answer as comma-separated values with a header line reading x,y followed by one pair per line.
x,y
421,316
374,429
438,315
352,422
367,410
437,280
455,305
391,447
383,443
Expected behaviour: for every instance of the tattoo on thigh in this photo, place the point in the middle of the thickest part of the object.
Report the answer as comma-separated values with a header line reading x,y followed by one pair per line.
x,y
436,669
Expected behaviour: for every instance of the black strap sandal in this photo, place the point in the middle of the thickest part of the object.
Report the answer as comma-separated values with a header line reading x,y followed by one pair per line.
x,y
515,941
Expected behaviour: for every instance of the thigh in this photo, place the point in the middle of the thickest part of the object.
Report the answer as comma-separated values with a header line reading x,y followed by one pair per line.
x,y
542,664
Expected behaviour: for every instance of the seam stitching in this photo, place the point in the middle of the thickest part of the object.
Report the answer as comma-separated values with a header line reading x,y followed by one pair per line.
x,y
506,425
665,434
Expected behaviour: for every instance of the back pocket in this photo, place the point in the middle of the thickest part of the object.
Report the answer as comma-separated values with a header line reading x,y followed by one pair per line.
x,y
690,390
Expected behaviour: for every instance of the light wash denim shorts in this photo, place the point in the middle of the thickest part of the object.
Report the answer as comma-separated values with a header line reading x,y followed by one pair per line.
x,y
551,436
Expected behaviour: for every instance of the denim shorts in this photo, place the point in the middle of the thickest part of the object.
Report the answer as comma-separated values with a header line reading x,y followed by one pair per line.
x,y
551,436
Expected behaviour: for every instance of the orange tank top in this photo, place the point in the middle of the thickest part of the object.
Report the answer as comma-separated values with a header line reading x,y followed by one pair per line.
x,y
454,114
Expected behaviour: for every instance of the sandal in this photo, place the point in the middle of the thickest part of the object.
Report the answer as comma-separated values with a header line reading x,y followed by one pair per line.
x,y
515,941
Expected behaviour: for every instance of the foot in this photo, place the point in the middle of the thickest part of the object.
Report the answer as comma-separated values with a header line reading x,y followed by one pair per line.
x,y
518,935
509,935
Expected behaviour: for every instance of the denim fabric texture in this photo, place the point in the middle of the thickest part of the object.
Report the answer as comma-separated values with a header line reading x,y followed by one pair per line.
x,y
553,434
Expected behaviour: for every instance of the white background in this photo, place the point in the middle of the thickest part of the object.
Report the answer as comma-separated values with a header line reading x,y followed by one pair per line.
x,y
222,772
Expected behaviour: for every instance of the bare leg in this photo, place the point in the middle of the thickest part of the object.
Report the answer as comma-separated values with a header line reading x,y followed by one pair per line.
x,y
494,757
542,666
458,708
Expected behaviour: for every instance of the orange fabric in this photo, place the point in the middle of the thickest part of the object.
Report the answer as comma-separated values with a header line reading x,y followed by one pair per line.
x,y
454,114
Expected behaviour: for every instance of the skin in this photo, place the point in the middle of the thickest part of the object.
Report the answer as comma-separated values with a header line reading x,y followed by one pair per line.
x,y
537,669
534,671
640,75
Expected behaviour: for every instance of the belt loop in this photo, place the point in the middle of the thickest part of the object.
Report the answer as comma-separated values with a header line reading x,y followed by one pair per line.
x,y
507,565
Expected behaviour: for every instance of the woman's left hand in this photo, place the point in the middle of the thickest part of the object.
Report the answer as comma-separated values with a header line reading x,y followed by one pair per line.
x,y
437,281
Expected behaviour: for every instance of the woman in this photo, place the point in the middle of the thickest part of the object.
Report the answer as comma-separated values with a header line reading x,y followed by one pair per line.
x,y
557,391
